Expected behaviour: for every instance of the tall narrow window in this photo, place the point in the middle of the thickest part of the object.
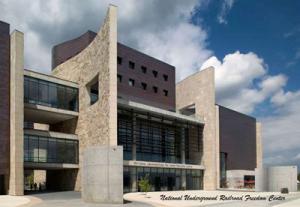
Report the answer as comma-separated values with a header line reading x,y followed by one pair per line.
x,y
144,69
119,60
144,86
155,73
93,88
131,65
155,89
131,82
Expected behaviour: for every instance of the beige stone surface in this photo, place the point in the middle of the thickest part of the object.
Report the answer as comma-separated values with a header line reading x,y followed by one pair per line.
x,y
199,89
259,149
218,145
16,113
97,123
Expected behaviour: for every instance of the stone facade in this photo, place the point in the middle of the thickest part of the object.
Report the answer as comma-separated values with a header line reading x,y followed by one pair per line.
x,y
199,90
259,148
97,123
16,182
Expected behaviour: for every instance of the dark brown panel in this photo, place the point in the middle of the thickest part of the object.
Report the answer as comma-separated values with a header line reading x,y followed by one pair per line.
x,y
137,93
164,82
238,139
4,97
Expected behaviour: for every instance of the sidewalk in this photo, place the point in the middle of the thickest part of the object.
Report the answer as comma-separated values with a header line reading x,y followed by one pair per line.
x,y
13,201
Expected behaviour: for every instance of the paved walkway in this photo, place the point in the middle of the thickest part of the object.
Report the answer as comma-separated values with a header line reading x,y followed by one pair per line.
x,y
12,201
262,199
73,199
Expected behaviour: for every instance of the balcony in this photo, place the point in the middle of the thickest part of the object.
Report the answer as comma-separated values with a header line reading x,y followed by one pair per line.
x,y
47,101
43,149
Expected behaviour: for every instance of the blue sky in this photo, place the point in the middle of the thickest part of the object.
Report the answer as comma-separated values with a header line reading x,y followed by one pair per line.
x,y
253,45
269,28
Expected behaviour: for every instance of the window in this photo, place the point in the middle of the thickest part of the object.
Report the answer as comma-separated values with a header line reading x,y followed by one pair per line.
x,y
165,77
37,91
131,65
93,88
144,86
165,92
144,69
155,89
119,60
131,82
50,149
155,73
119,78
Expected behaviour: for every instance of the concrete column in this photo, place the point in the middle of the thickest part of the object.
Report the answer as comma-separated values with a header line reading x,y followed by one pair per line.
x,y
259,152
218,147
183,179
102,174
134,137
16,181
133,180
182,145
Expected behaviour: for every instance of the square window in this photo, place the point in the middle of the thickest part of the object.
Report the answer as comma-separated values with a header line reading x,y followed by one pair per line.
x,y
144,69
131,82
165,77
165,92
155,73
119,60
119,78
144,86
131,65
155,89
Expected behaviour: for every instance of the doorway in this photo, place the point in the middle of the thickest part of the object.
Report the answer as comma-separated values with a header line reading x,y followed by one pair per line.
x,y
2,187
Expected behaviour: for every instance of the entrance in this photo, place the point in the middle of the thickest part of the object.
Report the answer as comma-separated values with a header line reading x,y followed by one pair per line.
x,y
157,184
2,187
41,180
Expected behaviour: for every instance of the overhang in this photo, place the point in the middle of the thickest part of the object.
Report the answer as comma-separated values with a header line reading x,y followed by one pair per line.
x,y
161,112
46,115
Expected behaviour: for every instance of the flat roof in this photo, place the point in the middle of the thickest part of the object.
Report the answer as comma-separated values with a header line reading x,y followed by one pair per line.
x,y
49,78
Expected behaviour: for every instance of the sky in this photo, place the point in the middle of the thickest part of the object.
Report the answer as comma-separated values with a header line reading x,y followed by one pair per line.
x,y
253,45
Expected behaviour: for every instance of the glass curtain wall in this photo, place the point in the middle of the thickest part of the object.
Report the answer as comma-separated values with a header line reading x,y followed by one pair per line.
x,y
37,91
158,139
50,150
162,179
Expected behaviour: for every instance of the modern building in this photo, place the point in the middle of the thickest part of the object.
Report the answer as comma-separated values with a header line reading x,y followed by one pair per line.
x,y
109,115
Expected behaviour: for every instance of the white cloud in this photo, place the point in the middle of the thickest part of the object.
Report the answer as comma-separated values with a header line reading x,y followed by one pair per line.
x,y
281,132
155,27
182,45
225,8
242,81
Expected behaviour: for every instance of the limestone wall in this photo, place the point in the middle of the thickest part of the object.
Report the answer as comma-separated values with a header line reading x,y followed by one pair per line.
x,y
97,123
16,182
199,89
259,148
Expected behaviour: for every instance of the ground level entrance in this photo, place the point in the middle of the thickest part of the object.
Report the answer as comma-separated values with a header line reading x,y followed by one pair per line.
x,y
2,185
162,179
39,180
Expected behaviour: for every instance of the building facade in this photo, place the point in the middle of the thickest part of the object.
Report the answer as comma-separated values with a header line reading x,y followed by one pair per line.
x,y
106,117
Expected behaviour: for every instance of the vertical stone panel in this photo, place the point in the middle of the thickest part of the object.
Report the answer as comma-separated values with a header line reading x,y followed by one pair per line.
x,y
218,146
17,114
259,149
97,123
199,89
4,103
